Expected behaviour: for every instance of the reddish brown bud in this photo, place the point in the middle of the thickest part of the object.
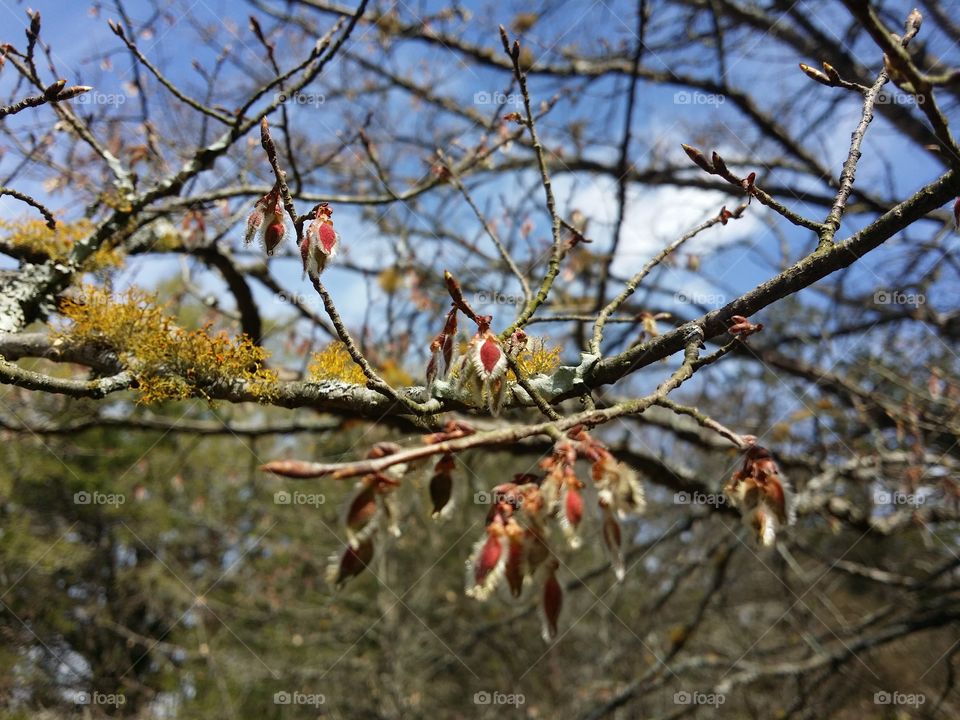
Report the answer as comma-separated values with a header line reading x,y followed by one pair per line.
x,y
293,469
488,559
815,74
363,507
552,604
831,72
719,166
514,567
441,486
352,563
698,158
743,327
574,507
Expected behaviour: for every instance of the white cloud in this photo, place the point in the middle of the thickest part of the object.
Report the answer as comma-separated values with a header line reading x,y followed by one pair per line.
x,y
655,217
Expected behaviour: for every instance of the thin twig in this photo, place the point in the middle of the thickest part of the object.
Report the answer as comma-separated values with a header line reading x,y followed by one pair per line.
x,y
23,197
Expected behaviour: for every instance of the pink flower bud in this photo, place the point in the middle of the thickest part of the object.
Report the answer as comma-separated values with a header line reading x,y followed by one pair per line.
x,y
489,557
273,236
487,564
320,242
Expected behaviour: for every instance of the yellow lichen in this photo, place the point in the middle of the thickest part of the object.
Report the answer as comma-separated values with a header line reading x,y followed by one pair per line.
x,y
34,236
335,363
537,359
169,362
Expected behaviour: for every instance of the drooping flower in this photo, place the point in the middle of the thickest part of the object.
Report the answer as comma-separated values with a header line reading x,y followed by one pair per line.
x,y
515,566
612,538
763,495
441,485
552,603
351,563
266,222
487,564
320,242
371,508
618,486
572,515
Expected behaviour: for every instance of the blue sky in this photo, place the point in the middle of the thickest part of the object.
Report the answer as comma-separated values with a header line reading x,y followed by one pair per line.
x,y
86,51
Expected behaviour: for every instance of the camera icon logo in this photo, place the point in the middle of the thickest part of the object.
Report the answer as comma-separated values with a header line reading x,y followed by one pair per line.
x,y
882,698
481,698
681,98
682,698
482,497
681,498
281,497
82,698
281,698
482,98
82,498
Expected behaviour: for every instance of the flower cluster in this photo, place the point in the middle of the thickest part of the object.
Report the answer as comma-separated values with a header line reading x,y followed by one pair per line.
x,y
481,370
371,509
266,222
515,547
486,366
763,495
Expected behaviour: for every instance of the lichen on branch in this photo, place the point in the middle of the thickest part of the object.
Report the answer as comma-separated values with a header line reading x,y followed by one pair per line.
x,y
168,361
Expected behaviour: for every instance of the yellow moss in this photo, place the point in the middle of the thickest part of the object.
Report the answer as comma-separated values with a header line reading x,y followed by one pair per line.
x,y
335,363
536,359
170,362
34,236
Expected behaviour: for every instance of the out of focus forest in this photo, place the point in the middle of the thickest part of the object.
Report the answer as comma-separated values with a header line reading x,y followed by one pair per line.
x,y
479,359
